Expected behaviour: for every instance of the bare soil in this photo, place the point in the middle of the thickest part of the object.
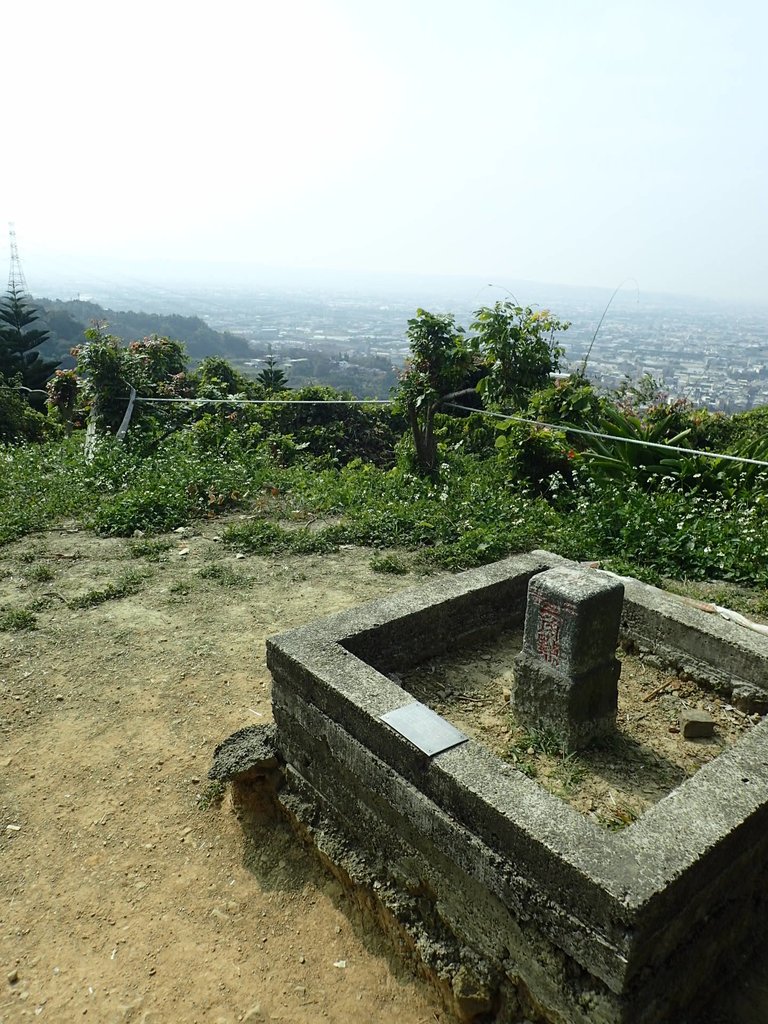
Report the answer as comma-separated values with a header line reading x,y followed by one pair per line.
x,y
129,894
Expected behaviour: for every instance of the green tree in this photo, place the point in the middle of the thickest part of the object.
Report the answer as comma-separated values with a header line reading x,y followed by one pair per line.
x,y
155,365
510,354
102,374
217,378
440,359
519,350
272,377
107,371
18,339
62,390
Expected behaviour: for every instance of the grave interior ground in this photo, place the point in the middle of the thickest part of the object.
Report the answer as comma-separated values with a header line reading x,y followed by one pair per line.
x,y
614,781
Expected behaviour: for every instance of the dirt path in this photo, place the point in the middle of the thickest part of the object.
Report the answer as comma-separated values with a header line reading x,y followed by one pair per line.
x,y
129,895
125,898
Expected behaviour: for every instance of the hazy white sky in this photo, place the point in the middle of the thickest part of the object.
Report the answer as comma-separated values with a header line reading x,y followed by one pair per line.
x,y
570,141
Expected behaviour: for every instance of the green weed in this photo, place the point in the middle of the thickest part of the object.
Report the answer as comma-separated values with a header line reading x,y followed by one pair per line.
x,y
16,619
620,817
151,549
476,508
541,741
212,795
566,769
389,564
40,484
260,537
40,573
223,575
129,583
523,764
570,771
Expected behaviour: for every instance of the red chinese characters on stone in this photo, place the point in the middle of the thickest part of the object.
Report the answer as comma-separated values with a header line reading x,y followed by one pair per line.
x,y
548,629
553,638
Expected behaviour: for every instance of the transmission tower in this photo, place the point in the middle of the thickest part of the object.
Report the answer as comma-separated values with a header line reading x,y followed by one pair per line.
x,y
16,282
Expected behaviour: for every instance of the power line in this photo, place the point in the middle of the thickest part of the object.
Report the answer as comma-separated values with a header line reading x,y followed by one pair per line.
x,y
564,428
561,427
20,387
269,401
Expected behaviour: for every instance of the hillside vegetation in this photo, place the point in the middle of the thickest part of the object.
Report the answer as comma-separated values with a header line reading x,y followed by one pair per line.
x,y
63,325
440,478
67,321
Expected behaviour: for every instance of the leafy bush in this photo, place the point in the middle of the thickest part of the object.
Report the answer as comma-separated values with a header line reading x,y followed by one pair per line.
x,y
519,349
510,354
534,454
107,370
334,433
469,433
668,532
102,371
39,484
571,401
708,431
216,378
747,427
527,493
18,420
625,455
158,490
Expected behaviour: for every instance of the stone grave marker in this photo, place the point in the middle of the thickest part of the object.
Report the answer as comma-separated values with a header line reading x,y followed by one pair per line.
x,y
567,673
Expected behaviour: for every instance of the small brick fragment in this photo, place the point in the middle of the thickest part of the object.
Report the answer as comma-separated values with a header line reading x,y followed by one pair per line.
x,y
695,724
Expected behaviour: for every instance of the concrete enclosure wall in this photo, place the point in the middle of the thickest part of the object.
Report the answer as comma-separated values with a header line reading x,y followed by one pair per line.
x,y
596,926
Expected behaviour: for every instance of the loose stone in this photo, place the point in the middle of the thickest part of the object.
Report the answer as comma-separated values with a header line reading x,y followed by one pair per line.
x,y
695,724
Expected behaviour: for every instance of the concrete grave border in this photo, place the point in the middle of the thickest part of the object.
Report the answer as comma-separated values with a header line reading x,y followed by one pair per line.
x,y
634,926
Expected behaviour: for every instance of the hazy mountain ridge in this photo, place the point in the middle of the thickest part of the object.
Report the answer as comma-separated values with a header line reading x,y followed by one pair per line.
x,y
67,321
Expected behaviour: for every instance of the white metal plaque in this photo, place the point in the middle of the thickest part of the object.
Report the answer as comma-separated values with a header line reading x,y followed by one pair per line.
x,y
424,728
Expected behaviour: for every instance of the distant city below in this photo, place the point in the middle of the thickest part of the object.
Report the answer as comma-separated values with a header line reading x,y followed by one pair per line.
x,y
712,354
